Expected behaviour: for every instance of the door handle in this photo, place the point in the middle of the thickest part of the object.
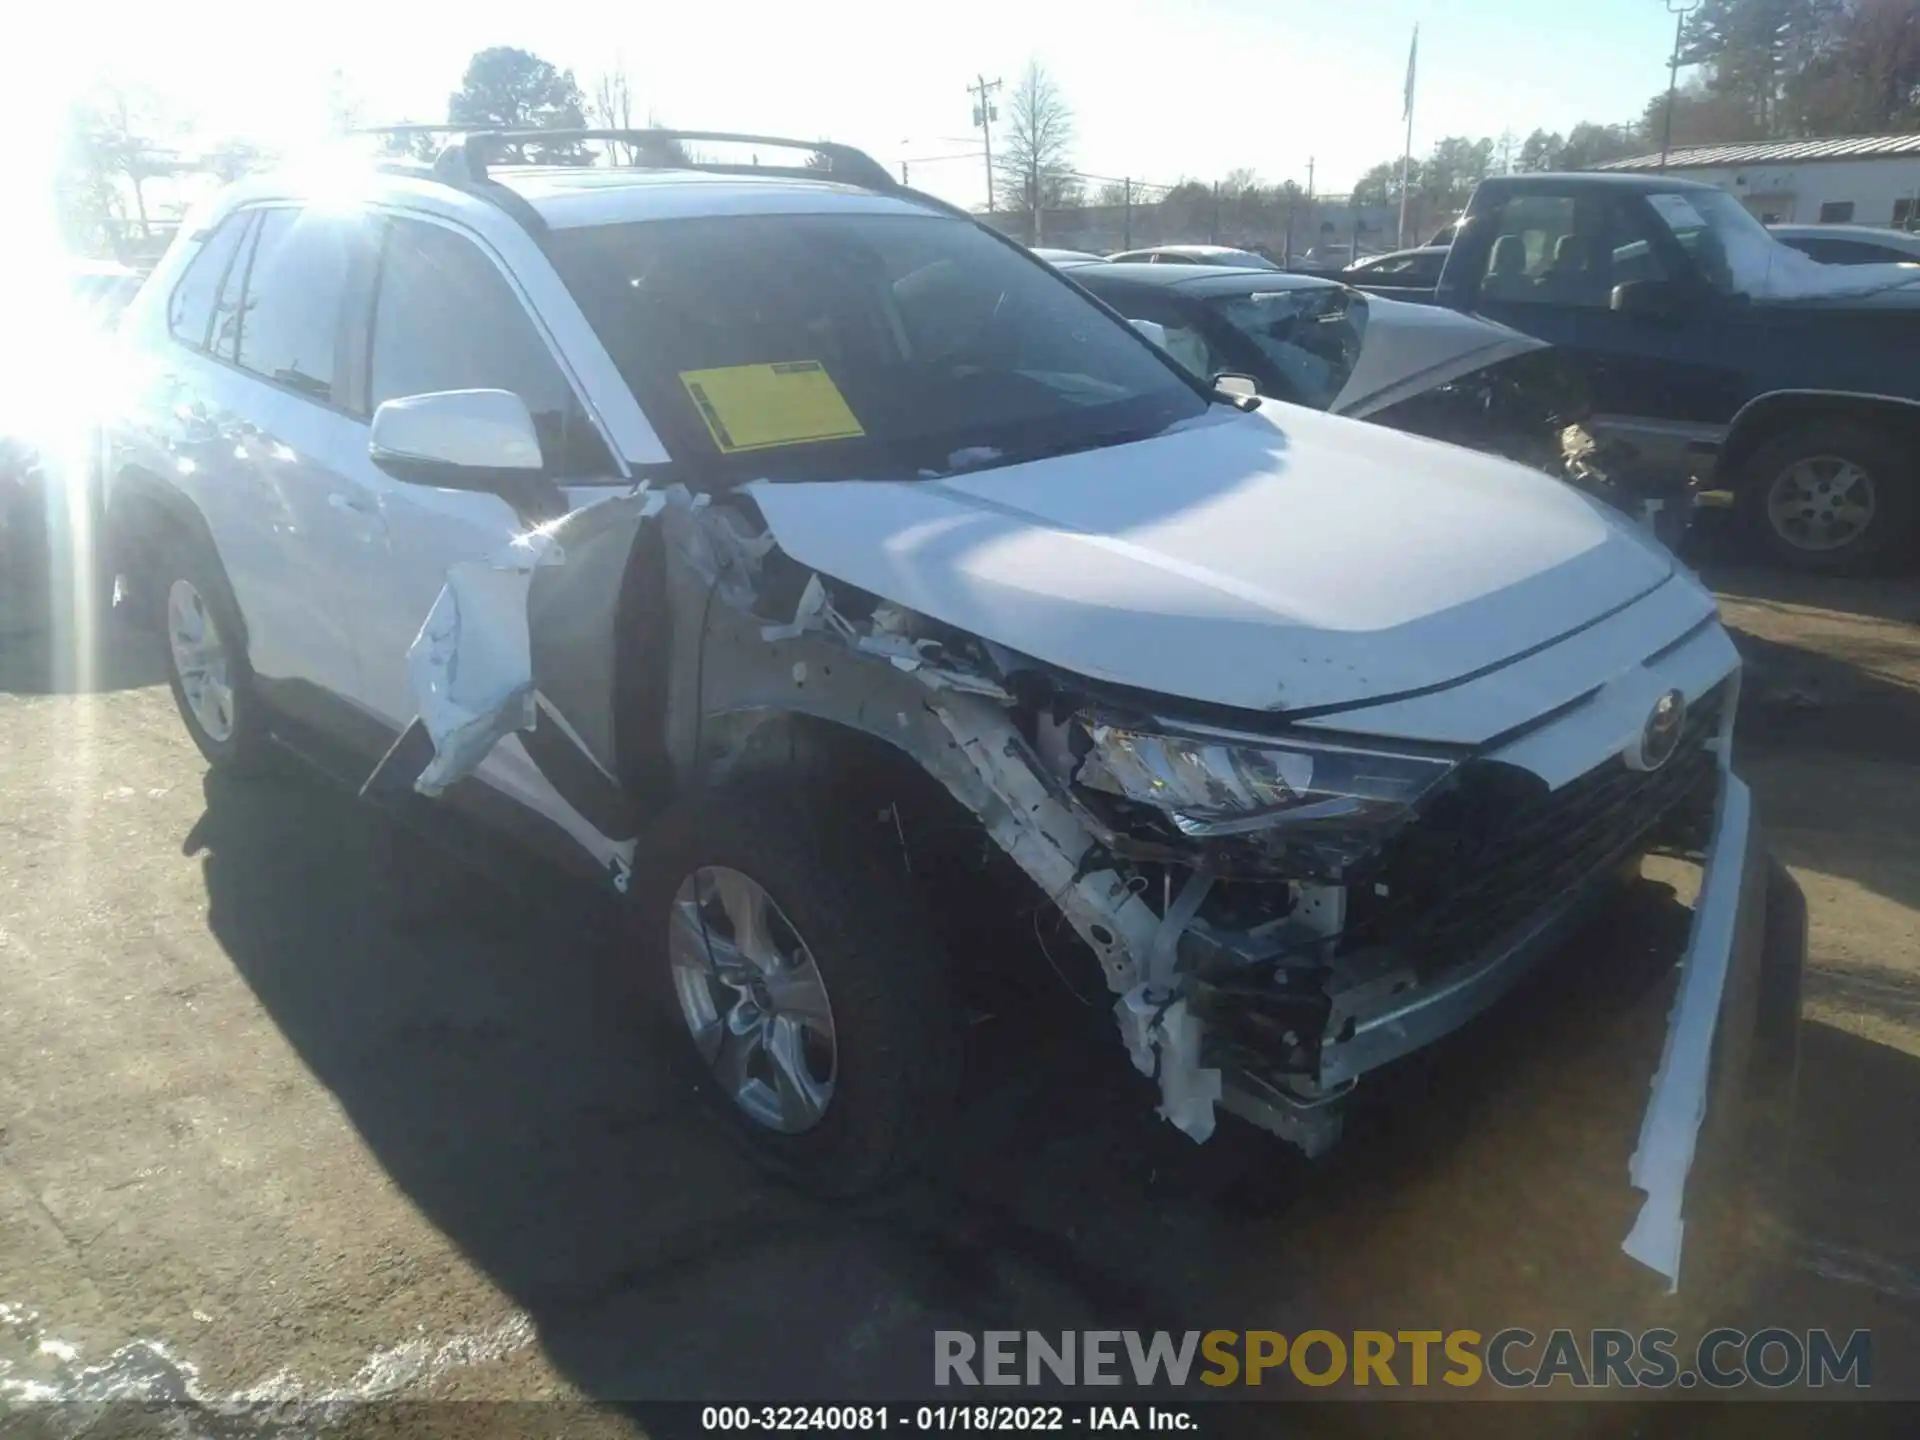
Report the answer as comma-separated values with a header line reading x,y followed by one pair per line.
x,y
351,504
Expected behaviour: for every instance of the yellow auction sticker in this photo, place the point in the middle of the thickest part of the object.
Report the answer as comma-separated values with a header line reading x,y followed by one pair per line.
x,y
758,407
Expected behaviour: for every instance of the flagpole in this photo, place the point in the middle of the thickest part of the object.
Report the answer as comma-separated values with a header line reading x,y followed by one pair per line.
x,y
1406,155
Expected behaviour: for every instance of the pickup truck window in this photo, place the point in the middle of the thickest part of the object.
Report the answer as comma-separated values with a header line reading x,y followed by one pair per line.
x,y
1567,251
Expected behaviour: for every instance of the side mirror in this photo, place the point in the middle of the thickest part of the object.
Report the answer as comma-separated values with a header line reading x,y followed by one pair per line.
x,y
459,440
1237,387
1153,330
1660,299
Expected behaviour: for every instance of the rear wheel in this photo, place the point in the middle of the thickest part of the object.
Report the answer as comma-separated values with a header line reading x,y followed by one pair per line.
x,y
1833,496
784,942
206,661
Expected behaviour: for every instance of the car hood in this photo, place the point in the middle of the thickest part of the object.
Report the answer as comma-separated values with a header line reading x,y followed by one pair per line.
x,y
1278,560
1407,348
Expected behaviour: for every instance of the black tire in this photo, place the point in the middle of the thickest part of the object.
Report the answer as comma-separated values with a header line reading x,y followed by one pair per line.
x,y
247,748
1890,471
879,954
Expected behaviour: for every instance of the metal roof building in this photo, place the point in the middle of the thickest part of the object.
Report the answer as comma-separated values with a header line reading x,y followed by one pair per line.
x,y
1776,152
1853,179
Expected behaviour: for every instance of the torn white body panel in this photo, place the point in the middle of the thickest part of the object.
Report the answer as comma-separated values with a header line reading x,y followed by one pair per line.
x,y
471,664
1163,1040
1671,1127
1297,567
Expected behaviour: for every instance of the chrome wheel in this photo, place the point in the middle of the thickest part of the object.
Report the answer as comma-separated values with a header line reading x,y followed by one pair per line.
x,y
1821,502
200,659
753,999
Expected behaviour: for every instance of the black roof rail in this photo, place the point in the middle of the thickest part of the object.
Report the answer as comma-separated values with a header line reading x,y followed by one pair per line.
x,y
462,162
467,156
516,205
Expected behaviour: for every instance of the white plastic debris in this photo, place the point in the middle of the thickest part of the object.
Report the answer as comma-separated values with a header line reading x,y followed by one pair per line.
x,y
1671,1127
813,601
1163,1039
471,664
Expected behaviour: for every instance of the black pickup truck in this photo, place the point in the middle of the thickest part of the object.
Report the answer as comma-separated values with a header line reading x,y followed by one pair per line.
x,y
1710,350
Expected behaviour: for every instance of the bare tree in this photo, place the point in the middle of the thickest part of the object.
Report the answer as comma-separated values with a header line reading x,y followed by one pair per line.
x,y
1035,163
345,110
611,108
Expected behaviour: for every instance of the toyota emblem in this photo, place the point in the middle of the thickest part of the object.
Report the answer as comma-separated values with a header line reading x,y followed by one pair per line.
x,y
1660,736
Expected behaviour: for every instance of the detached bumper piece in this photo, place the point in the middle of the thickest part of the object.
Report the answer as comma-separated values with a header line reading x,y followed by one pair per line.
x,y
1732,1044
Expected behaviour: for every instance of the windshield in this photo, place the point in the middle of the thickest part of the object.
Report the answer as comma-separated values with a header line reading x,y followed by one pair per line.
x,y
1733,250
1310,336
860,346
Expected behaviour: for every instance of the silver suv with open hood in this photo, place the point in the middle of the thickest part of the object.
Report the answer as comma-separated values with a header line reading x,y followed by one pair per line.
x,y
736,533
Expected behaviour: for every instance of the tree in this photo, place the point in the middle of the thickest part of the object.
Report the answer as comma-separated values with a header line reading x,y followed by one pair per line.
x,y
1700,117
231,159
509,89
107,155
611,108
1541,151
88,206
1506,153
1751,48
1866,78
1035,162
344,107
1589,145
1115,192
1380,184
1448,175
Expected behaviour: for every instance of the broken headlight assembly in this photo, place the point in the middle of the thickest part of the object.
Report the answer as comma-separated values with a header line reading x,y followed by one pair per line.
x,y
1322,804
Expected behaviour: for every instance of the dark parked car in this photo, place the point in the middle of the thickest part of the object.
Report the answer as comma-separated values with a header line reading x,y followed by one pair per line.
x,y
1713,349
1416,269
1418,368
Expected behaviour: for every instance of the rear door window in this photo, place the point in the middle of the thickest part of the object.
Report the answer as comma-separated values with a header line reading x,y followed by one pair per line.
x,y
223,338
289,325
190,307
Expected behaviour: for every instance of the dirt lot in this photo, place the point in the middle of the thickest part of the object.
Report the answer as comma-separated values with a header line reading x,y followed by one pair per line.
x,y
265,1134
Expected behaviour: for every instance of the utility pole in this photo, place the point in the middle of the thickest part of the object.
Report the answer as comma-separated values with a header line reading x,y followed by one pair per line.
x,y
903,172
985,112
1126,212
1679,9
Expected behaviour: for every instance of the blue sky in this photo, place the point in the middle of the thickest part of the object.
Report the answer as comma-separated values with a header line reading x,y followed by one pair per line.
x,y
1159,88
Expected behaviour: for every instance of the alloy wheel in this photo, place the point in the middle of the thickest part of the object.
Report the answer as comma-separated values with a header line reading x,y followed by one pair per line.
x,y
1821,502
753,999
200,659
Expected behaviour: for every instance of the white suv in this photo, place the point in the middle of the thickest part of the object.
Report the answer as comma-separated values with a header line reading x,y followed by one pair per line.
x,y
735,532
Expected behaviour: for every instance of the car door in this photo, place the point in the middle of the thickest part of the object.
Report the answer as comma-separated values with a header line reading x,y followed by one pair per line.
x,y
1667,379
443,314
266,429
1655,381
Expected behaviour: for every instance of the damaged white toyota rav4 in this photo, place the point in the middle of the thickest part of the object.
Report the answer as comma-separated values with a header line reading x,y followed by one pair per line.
x,y
730,530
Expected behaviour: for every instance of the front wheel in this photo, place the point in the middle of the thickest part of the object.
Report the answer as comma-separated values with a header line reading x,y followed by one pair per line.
x,y
1832,496
801,965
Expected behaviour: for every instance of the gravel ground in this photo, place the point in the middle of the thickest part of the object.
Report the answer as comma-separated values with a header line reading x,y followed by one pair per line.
x,y
266,1133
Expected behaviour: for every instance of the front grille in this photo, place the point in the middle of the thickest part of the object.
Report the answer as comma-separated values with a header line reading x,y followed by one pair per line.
x,y
1497,850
